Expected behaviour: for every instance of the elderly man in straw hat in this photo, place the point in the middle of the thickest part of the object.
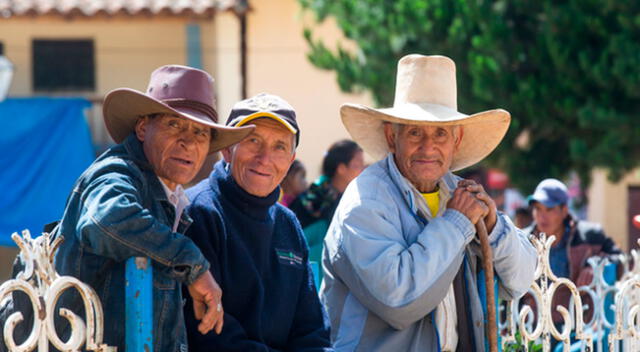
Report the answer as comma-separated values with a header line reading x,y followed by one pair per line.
x,y
130,203
401,258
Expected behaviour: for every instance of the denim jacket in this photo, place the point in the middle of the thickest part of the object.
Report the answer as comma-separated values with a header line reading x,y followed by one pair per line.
x,y
117,210
387,267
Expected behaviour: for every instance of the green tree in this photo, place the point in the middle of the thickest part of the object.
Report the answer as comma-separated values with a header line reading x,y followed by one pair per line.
x,y
568,71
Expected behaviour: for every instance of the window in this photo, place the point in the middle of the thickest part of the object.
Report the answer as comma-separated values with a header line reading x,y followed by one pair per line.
x,y
63,65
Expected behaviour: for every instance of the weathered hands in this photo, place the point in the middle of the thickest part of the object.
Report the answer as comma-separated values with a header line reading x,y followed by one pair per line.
x,y
466,203
207,303
471,200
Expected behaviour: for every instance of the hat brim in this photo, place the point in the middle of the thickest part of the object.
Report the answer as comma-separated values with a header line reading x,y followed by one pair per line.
x,y
260,114
482,132
544,200
122,107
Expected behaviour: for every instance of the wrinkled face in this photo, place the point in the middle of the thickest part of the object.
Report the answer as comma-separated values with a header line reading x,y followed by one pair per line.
x,y
355,166
174,146
261,161
423,154
550,220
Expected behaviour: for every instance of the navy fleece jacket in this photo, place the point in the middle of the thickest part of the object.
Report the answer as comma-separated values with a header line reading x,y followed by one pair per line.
x,y
259,257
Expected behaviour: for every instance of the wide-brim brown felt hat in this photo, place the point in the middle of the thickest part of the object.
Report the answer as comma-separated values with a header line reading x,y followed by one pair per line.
x,y
176,90
426,95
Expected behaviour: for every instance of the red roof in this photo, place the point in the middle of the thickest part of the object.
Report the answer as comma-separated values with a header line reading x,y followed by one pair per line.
x,y
89,8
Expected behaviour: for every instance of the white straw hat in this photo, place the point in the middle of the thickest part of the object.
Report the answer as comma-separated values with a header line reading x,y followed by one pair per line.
x,y
426,95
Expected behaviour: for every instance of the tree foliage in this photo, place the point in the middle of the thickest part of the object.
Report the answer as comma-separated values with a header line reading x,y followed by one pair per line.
x,y
568,71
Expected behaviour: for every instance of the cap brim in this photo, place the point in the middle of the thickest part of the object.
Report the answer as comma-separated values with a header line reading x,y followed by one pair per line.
x,y
546,202
482,132
122,107
261,114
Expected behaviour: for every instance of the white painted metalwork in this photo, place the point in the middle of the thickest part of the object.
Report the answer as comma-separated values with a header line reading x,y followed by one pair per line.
x,y
536,325
627,309
43,286
542,290
41,283
598,290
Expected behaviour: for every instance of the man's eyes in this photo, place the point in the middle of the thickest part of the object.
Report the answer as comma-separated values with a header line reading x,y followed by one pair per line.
x,y
174,123
202,133
179,125
439,133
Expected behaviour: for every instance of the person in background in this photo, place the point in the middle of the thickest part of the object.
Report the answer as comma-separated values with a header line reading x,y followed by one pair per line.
x,y
294,183
575,240
314,208
255,245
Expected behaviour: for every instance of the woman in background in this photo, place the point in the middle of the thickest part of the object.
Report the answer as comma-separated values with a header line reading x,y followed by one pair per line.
x,y
315,207
294,183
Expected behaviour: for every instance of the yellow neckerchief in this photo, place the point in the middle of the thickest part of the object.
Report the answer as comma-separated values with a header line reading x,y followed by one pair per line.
x,y
433,201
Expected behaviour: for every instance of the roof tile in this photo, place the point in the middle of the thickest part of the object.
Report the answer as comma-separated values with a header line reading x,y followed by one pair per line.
x,y
88,8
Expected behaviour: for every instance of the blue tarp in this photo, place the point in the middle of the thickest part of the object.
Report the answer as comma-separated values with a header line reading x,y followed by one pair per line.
x,y
45,145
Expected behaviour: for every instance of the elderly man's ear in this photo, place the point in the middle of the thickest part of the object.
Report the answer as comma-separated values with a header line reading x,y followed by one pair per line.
x,y
390,136
460,135
141,128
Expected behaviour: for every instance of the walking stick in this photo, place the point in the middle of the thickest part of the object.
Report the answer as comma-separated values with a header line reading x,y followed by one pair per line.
x,y
487,265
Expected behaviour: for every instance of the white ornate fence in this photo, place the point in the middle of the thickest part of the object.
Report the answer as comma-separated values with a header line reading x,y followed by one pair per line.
x,y
537,326
43,286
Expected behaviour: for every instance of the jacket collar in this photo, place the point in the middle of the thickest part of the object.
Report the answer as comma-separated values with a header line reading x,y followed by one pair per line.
x,y
254,206
412,196
134,148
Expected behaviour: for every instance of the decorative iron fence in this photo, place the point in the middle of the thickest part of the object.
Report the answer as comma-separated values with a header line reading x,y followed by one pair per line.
x,y
40,282
614,324
614,307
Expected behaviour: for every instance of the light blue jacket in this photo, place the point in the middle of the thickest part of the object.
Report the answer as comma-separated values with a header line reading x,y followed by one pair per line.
x,y
387,268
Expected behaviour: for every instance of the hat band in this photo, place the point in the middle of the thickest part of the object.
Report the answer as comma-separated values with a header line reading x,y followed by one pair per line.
x,y
193,105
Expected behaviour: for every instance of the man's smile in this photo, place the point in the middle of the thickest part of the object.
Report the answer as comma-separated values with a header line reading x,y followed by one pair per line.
x,y
258,173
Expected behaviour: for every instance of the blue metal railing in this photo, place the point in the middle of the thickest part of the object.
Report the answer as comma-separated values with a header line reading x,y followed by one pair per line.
x,y
139,305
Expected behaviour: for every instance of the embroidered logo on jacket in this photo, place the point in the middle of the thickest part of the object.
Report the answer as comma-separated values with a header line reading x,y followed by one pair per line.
x,y
289,257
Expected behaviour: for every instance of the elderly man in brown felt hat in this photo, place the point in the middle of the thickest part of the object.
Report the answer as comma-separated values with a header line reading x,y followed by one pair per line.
x,y
130,203
401,256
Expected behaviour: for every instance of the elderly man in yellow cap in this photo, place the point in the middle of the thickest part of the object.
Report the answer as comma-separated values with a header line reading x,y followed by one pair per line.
x,y
401,256
255,245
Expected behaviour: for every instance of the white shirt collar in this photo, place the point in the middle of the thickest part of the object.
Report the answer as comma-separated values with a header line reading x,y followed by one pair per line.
x,y
178,199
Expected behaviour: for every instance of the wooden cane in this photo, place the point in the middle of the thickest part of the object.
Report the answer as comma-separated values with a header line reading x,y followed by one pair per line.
x,y
487,265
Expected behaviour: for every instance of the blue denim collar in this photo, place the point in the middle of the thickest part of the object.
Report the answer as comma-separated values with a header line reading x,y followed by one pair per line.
x,y
134,148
